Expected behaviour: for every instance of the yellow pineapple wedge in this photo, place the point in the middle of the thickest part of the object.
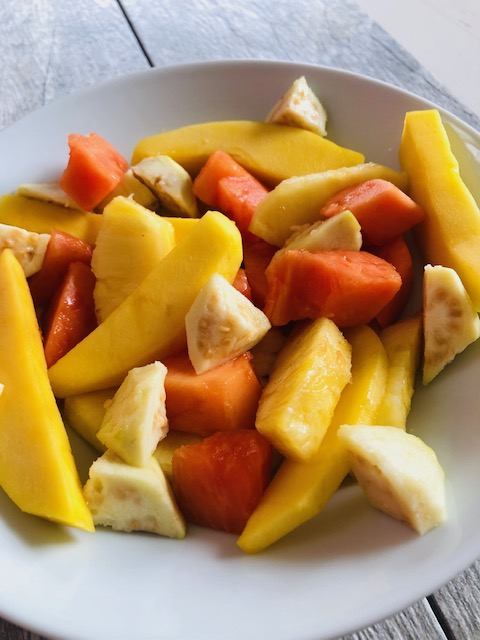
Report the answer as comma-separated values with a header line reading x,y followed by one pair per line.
x,y
450,233
308,377
300,490
131,242
298,200
403,343
37,469
150,323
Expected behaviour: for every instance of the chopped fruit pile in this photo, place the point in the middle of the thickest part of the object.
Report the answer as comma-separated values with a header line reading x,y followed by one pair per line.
x,y
229,321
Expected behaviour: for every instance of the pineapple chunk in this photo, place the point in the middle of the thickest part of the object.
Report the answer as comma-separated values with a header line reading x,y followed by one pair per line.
x,y
300,107
450,321
221,324
28,247
308,377
131,187
403,342
298,200
171,184
135,419
49,192
129,498
339,232
131,242
399,474
300,490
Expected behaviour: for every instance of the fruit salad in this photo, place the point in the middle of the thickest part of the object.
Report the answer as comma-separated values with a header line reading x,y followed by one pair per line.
x,y
229,321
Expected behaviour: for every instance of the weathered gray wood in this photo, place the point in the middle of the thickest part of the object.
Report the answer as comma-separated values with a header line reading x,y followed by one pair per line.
x,y
414,623
49,49
329,32
459,604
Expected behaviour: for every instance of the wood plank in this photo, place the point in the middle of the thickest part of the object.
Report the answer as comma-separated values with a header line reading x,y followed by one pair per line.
x,y
50,49
414,623
457,604
335,33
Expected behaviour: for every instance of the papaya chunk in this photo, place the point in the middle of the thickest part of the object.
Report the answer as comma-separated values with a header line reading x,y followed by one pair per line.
x,y
224,398
219,481
382,209
37,468
349,287
271,152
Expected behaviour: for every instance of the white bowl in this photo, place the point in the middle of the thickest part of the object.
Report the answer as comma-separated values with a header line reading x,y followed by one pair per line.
x,y
347,568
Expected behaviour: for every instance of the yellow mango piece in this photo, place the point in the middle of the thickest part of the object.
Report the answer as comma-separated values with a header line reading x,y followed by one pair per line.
x,y
299,399
37,469
150,323
403,342
272,152
450,232
42,217
84,413
181,226
298,200
300,490
130,243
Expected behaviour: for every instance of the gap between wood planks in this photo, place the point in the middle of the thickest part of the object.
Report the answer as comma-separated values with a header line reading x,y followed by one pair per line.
x,y
137,37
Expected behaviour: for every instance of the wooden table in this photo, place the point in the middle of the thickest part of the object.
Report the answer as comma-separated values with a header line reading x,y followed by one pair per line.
x,y
50,48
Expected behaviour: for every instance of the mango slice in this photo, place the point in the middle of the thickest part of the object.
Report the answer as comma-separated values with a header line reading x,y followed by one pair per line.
x,y
403,343
181,226
298,200
150,323
450,233
300,490
272,152
37,469
42,217
308,377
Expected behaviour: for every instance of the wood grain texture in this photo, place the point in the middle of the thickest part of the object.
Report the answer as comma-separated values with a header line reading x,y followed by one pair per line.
x,y
50,48
458,604
334,33
418,621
